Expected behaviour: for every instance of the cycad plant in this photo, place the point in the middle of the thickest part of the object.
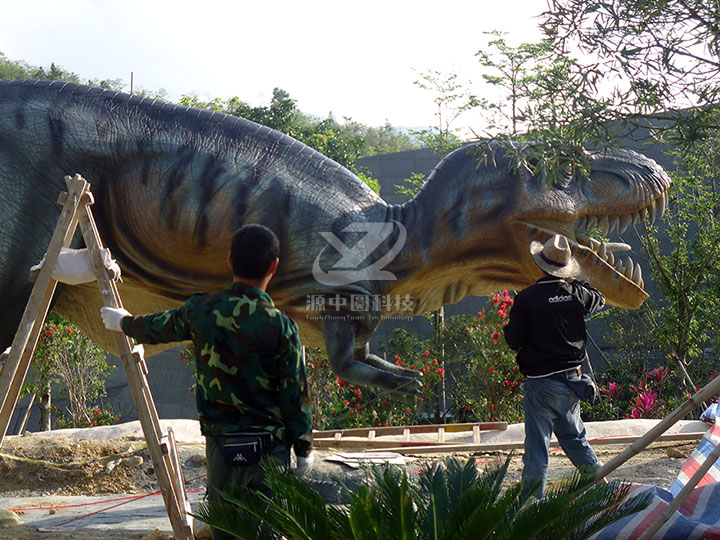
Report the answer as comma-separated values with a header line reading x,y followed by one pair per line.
x,y
448,501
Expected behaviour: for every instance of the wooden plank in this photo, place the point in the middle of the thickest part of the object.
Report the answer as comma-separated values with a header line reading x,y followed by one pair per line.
x,y
414,447
415,429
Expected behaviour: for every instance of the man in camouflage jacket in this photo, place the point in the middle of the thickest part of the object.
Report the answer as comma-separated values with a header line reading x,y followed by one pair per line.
x,y
250,372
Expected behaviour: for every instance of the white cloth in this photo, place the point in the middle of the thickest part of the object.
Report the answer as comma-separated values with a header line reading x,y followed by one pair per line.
x,y
73,266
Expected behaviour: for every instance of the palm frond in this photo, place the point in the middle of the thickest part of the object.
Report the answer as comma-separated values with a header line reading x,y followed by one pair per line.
x,y
397,508
575,508
232,520
435,506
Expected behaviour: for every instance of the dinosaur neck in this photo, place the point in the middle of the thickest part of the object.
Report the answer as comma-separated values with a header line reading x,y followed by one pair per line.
x,y
449,223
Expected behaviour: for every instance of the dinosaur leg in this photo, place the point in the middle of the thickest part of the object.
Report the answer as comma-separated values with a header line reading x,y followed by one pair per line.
x,y
350,359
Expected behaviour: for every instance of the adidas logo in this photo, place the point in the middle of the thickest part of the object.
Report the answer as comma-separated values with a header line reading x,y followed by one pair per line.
x,y
239,457
558,298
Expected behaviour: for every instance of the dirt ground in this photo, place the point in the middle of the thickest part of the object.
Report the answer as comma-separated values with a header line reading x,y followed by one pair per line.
x,y
84,467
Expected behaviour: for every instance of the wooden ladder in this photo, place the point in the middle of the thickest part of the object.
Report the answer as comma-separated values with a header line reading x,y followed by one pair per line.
x,y
76,211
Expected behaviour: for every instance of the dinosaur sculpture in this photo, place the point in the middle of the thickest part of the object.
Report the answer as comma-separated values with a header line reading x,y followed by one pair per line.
x,y
172,183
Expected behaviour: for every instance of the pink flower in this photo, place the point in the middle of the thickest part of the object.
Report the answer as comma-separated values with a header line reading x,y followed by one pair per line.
x,y
659,375
613,391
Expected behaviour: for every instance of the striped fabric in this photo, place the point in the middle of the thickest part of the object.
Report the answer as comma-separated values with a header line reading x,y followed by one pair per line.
x,y
698,517
706,445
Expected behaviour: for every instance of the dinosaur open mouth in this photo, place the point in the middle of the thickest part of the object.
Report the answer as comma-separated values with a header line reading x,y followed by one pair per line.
x,y
607,224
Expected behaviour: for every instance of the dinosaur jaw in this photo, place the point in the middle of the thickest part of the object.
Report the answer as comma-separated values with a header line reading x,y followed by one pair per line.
x,y
617,276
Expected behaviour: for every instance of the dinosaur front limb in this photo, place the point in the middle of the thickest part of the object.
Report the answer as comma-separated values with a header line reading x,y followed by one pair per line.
x,y
352,361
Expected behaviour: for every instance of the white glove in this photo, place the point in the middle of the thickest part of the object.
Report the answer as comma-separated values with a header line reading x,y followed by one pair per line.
x,y
113,316
304,464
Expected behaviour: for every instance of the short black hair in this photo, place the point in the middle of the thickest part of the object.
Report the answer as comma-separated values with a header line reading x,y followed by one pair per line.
x,y
252,250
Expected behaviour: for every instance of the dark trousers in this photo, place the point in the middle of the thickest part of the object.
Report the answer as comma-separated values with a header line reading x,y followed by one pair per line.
x,y
220,475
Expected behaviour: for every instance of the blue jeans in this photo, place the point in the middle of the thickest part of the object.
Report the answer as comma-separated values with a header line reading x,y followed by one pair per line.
x,y
551,406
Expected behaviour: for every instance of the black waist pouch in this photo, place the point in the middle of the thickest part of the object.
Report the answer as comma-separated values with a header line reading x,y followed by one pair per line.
x,y
246,448
584,387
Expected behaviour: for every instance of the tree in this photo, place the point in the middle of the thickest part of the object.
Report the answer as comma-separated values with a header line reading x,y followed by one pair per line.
x,y
66,357
19,69
656,67
449,500
657,57
689,275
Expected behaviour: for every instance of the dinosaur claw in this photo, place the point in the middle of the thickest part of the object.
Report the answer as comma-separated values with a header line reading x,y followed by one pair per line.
x,y
407,385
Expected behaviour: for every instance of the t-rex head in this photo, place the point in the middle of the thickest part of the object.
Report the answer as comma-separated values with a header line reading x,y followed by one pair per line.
x,y
503,208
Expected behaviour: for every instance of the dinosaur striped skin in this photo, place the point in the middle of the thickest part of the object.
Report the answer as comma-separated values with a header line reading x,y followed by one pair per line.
x,y
172,183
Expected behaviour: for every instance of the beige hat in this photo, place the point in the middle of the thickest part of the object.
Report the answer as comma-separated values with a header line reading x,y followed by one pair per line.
x,y
555,257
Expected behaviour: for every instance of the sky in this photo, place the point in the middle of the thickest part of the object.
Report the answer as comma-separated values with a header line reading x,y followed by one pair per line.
x,y
355,60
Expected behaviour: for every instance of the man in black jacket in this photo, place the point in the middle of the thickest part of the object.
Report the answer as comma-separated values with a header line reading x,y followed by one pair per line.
x,y
547,328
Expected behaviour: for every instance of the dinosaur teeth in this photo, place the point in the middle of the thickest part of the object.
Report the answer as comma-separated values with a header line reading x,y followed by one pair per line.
x,y
610,258
624,223
637,274
591,222
602,251
619,266
629,268
581,223
614,223
652,212
604,223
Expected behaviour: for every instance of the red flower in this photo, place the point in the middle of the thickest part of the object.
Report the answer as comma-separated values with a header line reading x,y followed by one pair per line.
x,y
467,329
481,315
69,330
407,411
385,402
468,408
492,407
491,370
421,399
435,360
496,335
441,370
397,358
426,353
347,403
48,333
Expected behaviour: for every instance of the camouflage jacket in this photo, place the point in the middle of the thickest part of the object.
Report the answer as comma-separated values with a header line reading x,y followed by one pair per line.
x,y
250,372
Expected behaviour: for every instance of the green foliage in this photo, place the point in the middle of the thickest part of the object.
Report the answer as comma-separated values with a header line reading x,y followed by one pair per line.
x,y
411,185
449,500
19,69
544,115
468,373
688,275
68,358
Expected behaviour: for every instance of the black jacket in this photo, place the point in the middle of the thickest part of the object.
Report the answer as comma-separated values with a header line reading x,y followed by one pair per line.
x,y
547,325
